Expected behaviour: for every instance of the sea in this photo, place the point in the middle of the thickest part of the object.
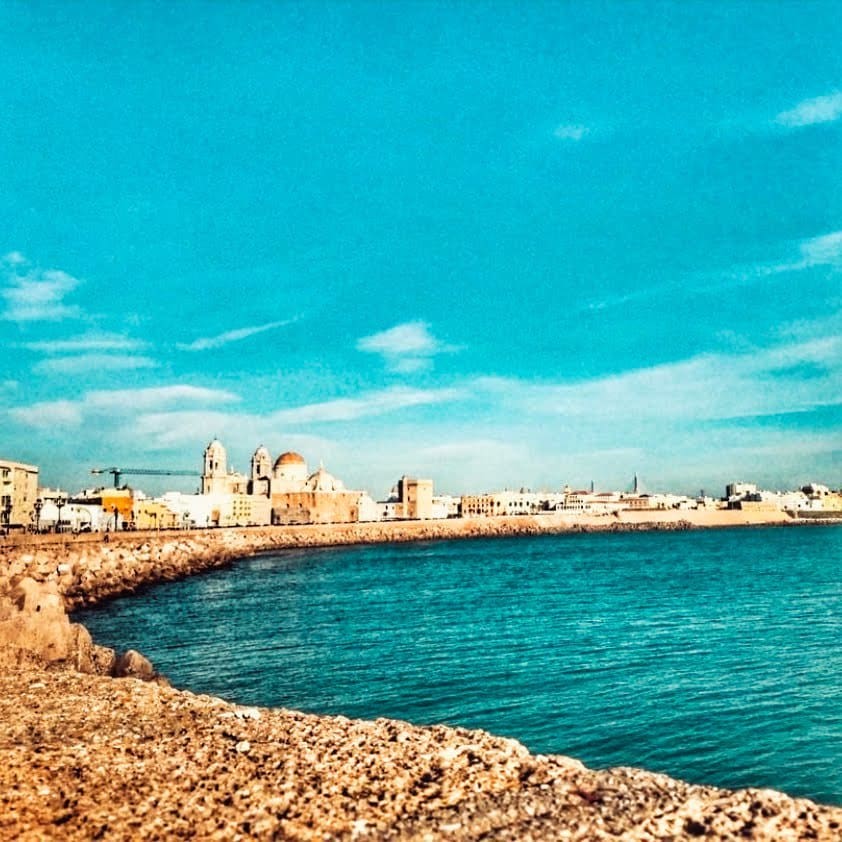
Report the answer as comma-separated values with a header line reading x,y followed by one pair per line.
x,y
714,656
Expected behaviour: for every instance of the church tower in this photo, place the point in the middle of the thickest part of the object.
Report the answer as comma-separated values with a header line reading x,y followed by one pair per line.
x,y
215,468
261,472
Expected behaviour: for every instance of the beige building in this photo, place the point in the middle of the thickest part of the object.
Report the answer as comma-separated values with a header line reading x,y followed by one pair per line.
x,y
414,499
18,493
279,492
155,514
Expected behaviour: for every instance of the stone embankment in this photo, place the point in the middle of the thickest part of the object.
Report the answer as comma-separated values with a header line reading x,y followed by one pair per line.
x,y
90,568
86,756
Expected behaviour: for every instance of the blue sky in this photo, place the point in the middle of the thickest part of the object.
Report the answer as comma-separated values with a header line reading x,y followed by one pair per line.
x,y
499,244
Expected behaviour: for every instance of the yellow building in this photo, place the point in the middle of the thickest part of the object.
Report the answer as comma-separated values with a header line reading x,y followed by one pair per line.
x,y
117,507
154,514
18,493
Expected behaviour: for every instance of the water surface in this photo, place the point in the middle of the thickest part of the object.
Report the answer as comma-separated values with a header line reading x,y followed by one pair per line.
x,y
714,656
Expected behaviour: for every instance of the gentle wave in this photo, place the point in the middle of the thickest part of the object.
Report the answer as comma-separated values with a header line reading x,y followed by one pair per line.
x,y
713,656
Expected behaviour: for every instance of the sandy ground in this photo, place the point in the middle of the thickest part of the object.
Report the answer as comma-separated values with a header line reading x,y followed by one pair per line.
x,y
87,757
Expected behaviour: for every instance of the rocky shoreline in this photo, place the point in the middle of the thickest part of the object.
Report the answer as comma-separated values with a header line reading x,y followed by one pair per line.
x,y
88,756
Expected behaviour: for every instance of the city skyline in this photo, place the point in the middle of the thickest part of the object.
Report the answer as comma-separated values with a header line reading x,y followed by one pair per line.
x,y
495,245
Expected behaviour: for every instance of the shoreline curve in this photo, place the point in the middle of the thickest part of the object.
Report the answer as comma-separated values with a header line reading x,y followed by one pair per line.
x,y
90,756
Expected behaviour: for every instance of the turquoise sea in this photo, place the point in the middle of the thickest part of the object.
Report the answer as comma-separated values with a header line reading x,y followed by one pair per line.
x,y
714,656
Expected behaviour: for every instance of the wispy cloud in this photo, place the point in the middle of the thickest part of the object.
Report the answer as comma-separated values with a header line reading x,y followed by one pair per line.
x,y
810,112
229,336
116,403
92,363
33,294
709,387
406,347
155,397
571,131
825,250
91,342
370,404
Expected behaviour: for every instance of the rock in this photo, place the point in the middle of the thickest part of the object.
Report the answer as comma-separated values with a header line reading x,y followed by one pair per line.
x,y
132,664
35,628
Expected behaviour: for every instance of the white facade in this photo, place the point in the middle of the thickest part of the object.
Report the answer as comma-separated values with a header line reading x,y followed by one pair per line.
x,y
198,511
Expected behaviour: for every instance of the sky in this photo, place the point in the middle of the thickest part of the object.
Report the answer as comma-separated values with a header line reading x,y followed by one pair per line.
x,y
501,245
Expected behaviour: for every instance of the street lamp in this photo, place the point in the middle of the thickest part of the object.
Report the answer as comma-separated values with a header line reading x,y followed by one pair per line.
x,y
59,506
38,505
116,514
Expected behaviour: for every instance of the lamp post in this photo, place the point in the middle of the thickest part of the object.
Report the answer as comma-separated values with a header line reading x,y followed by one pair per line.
x,y
38,505
59,506
116,515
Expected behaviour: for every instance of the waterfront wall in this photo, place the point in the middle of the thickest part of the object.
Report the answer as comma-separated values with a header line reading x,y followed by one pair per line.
x,y
87,569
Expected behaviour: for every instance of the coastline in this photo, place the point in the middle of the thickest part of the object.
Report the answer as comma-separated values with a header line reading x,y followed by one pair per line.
x,y
89,568
91,756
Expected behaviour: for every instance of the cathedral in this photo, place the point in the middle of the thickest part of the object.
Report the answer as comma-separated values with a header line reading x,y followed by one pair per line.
x,y
295,495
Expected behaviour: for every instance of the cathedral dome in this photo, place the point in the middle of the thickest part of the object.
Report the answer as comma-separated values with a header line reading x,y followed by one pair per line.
x,y
289,458
321,480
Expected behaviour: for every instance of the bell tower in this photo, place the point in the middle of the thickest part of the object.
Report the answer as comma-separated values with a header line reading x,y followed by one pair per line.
x,y
215,468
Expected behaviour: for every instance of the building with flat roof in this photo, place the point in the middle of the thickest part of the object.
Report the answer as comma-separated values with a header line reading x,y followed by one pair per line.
x,y
18,493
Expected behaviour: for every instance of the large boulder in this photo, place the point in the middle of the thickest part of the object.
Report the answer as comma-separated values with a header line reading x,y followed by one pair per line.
x,y
132,664
35,628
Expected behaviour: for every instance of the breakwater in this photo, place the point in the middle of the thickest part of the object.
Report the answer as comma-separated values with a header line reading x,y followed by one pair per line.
x,y
90,568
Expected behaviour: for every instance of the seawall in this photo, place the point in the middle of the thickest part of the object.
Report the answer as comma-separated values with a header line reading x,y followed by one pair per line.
x,y
87,568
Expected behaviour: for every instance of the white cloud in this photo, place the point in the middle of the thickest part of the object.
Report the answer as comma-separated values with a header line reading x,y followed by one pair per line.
x,y
86,343
371,404
571,131
825,250
119,403
211,342
704,388
162,430
92,363
809,112
48,414
37,295
405,347
154,397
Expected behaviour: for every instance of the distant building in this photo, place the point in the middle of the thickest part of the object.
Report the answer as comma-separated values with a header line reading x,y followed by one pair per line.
x,y
415,499
446,506
18,493
740,490
283,492
504,503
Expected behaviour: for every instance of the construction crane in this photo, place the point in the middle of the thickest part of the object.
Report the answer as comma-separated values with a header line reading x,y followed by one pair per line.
x,y
117,473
